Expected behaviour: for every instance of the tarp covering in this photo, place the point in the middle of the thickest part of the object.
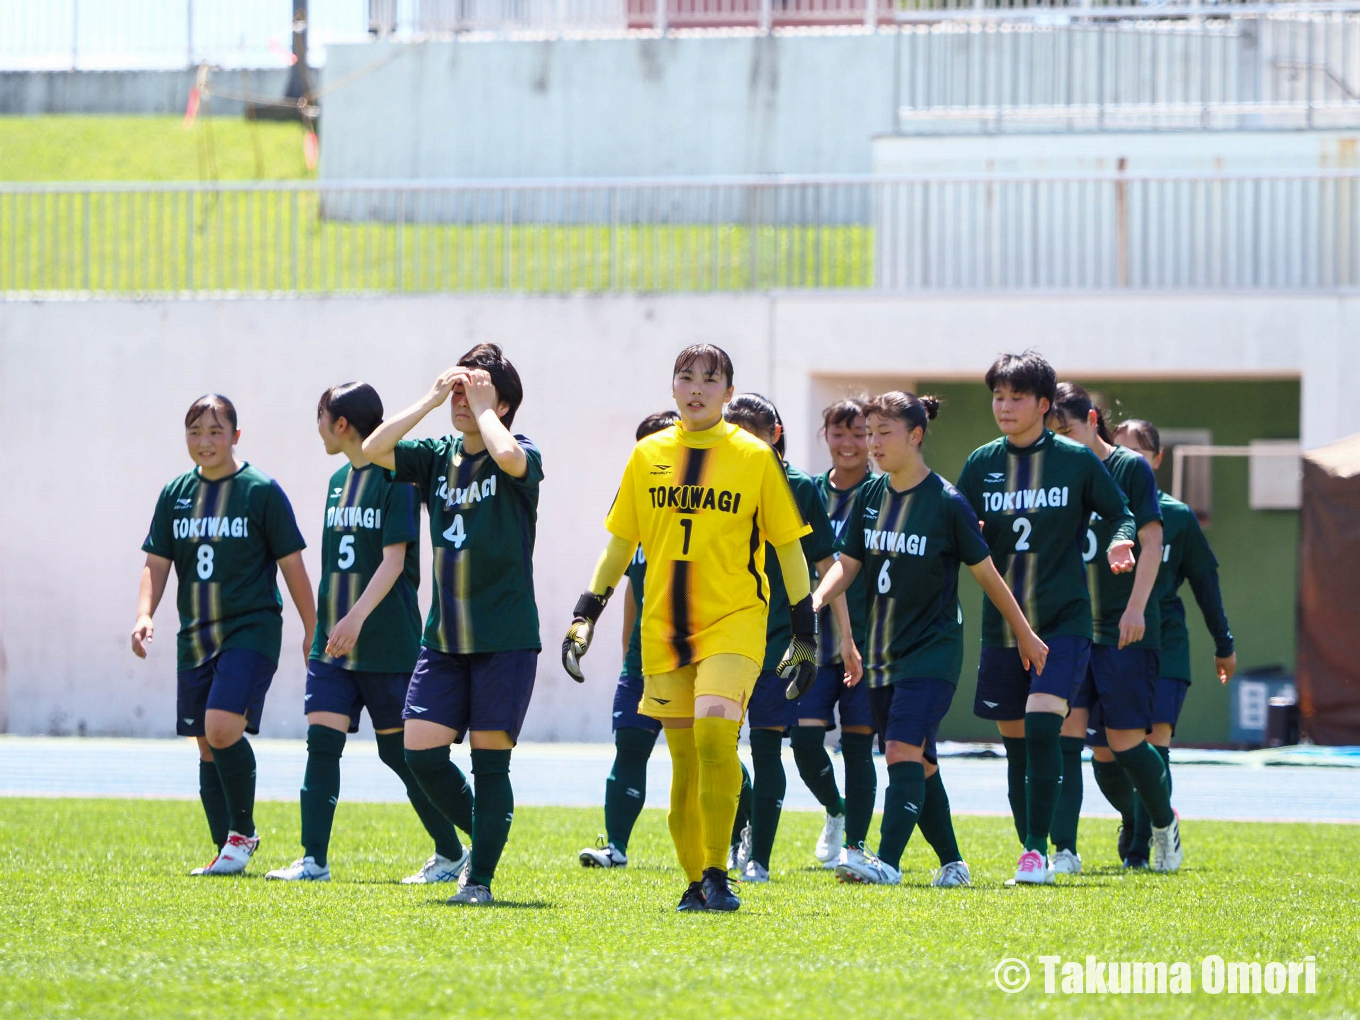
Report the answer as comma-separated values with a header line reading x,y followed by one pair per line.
x,y
1328,673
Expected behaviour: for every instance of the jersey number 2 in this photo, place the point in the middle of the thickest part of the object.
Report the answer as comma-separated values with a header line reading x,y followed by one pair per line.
x,y
1022,527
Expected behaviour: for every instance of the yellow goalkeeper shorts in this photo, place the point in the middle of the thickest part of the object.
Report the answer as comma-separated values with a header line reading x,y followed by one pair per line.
x,y
725,675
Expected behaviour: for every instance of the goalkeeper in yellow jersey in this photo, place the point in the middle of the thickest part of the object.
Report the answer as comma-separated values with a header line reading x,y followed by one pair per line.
x,y
703,498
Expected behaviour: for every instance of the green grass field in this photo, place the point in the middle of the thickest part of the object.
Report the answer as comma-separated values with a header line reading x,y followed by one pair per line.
x,y
99,919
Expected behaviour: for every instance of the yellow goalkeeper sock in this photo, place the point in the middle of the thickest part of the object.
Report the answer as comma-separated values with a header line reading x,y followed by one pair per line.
x,y
683,819
719,785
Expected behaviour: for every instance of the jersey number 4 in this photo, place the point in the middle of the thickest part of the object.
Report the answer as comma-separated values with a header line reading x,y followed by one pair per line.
x,y
455,532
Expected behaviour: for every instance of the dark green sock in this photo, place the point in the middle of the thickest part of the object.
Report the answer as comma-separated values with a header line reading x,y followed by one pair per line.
x,y
1067,815
493,813
236,768
1114,784
743,806
320,789
1043,775
767,791
626,788
1017,763
441,830
1148,774
936,823
902,803
214,800
1142,821
861,785
445,785
814,766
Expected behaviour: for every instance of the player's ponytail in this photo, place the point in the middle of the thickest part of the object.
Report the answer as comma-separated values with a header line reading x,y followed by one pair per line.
x,y
358,403
913,411
752,411
1072,403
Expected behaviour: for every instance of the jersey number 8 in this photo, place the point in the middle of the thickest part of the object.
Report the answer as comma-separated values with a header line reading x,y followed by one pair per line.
x,y
205,562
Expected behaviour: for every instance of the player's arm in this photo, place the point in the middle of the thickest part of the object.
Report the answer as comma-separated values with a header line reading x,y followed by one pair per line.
x,y
500,443
300,588
1132,625
840,572
629,618
342,639
155,575
799,664
608,572
380,447
1200,568
1033,652
1104,497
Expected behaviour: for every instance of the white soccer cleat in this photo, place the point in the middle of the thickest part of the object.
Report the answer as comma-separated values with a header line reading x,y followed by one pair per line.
x,y
755,872
439,869
952,876
233,857
602,855
304,869
829,842
1167,853
856,864
740,853
1066,862
1033,869
470,894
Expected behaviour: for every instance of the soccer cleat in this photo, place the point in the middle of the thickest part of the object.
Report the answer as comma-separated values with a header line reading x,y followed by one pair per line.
x,y
470,894
693,898
304,869
439,869
858,864
1125,842
755,872
740,852
1135,863
1033,869
952,875
718,894
1066,862
233,857
602,855
1166,846
829,842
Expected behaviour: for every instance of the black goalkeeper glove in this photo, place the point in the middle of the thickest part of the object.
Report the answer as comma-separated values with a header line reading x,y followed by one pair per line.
x,y
577,642
799,665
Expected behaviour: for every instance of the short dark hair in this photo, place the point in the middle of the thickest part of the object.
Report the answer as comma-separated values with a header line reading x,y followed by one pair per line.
x,y
654,423
357,402
219,405
758,412
1072,401
842,412
707,357
1142,430
503,376
1026,372
913,411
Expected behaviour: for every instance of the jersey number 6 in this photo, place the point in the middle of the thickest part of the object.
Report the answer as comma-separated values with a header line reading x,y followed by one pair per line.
x,y
884,581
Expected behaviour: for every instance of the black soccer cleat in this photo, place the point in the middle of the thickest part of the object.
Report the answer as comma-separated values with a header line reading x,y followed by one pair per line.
x,y
1125,843
693,898
718,895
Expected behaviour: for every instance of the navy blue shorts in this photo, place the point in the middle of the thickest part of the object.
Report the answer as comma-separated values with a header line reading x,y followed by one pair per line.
x,y
769,708
479,691
910,711
627,697
829,695
1168,697
235,680
1004,685
332,688
1120,681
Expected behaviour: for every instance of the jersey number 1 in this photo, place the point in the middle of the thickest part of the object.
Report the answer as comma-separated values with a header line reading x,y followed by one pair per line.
x,y
688,525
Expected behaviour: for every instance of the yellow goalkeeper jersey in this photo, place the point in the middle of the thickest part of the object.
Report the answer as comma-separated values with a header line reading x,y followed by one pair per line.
x,y
703,505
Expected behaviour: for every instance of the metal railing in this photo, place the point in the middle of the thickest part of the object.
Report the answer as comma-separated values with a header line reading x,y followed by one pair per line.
x,y
1262,71
1297,231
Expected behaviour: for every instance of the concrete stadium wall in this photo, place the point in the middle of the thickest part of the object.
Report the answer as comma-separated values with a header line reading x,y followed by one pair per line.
x,y
92,395
29,93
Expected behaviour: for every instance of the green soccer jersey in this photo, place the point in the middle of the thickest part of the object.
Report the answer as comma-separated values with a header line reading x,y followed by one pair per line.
x,y
910,545
637,580
818,544
1110,592
1035,503
837,503
482,527
225,538
366,512
1186,556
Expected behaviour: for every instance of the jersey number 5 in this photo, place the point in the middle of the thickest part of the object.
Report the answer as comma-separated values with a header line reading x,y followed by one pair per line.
x,y
346,559
455,533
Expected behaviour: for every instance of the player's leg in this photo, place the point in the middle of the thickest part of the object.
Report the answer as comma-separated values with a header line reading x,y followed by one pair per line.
x,y
808,738
771,714
740,851
858,733
191,705
1168,697
1110,778
1002,686
436,713
625,789
900,806
1067,813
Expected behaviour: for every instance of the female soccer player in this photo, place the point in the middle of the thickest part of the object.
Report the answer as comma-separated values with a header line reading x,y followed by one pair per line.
x,y
223,526
843,426
703,500
478,657
367,633
907,531
1034,493
771,713
1186,556
1121,677
625,791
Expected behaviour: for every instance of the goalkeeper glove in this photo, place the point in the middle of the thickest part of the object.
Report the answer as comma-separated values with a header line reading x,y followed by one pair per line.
x,y
799,665
577,642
